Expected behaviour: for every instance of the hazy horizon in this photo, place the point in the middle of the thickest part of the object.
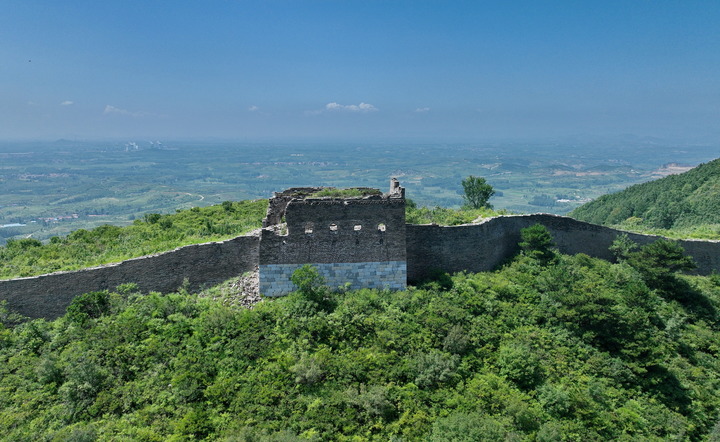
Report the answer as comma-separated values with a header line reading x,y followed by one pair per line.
x,y
370,70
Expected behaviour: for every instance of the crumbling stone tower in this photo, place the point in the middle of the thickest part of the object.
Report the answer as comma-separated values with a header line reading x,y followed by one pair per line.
x,y
350,239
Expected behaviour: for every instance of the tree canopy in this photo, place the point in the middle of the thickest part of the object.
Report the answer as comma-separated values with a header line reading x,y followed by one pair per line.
x,y
571,348
687,202
477,192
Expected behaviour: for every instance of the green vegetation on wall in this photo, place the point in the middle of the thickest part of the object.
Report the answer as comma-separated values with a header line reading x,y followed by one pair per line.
x,y
155,233
352,192
446,216
568,347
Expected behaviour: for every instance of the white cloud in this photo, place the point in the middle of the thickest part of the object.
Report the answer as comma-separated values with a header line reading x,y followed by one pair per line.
x,y
362,107
253,108
116,110
422,110
67,103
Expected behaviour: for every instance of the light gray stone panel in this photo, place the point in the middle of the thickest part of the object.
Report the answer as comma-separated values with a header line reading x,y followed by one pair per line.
x,y
275,278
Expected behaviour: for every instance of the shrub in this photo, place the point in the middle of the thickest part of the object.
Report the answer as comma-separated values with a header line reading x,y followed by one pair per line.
x,y
537,243
88,306
309,283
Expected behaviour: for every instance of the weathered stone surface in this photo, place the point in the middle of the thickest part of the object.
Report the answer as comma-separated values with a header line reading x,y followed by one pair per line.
x,y
243,291
392,275
338,231
482,247
280,200
47,296
366,257
358,240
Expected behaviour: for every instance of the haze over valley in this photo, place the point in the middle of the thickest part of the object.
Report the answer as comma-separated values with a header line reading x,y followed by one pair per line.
x,y
52,188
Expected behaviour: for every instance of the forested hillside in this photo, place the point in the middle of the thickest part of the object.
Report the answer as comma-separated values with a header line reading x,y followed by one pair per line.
x,y
688,202
550,347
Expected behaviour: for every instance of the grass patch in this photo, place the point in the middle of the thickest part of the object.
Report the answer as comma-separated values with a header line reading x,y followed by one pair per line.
x,y
154,233
702,231
446,216
353,192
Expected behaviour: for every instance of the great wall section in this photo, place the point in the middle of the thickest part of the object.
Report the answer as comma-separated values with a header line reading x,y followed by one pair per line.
x,y
357,241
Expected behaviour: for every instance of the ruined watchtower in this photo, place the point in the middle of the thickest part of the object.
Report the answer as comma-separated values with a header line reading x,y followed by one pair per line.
x,y
354,236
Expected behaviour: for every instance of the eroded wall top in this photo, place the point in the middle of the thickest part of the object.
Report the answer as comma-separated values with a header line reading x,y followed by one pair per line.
x,y
367,226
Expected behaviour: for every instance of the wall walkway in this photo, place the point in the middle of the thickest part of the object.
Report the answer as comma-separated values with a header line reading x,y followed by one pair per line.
x,y
472,247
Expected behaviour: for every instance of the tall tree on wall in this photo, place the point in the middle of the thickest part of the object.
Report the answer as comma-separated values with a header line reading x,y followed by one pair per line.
x,y
477,192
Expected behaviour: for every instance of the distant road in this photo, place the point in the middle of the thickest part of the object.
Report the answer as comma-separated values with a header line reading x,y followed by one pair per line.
x,y
201,196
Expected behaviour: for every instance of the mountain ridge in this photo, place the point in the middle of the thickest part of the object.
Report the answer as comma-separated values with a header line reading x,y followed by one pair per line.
x,y
689,201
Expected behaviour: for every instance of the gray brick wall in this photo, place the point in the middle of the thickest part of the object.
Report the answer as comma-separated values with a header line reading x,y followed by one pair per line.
x,y
275,278
482,247
378,263
338,231
47,296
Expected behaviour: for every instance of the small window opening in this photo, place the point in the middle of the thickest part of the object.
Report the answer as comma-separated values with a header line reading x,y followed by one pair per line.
x,y
381,227
357,227
333,227
309,228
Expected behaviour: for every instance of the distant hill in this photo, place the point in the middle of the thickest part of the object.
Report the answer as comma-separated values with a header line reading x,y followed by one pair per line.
x,y
683,201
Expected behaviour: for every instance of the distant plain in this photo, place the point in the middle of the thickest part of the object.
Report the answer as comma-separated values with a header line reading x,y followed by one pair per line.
x,y
53,188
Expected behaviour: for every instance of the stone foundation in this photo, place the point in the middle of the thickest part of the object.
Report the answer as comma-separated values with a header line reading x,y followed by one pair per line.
x,y
392,275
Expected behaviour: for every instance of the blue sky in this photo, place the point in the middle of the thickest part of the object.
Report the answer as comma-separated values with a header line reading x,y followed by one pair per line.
x,y
359,69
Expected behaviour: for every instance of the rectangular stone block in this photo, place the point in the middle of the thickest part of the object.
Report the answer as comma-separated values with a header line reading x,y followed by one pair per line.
x,y
275,278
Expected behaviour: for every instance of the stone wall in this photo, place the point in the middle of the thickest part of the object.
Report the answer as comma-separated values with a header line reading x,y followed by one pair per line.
x,y
356,240
368,257
278,203
335,230
392,275
482,247
48,296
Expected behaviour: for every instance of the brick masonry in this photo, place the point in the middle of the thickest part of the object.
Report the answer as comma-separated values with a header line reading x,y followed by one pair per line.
x,y
392,275
484,246
356,240
47,296
325,233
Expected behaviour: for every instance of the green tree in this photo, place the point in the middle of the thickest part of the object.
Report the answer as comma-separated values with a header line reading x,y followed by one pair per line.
x,y
658,262
537,243
88,306
310,283
622,247
477,192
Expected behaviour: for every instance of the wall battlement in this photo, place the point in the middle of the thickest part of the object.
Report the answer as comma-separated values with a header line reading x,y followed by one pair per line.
x,y
333,233
362,240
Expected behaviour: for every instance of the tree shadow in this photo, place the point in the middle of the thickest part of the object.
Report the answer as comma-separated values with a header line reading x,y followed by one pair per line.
x,y
693,300
667,388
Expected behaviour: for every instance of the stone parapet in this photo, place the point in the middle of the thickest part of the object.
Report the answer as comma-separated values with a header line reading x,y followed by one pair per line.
x,y
198,265
484,246
383,252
